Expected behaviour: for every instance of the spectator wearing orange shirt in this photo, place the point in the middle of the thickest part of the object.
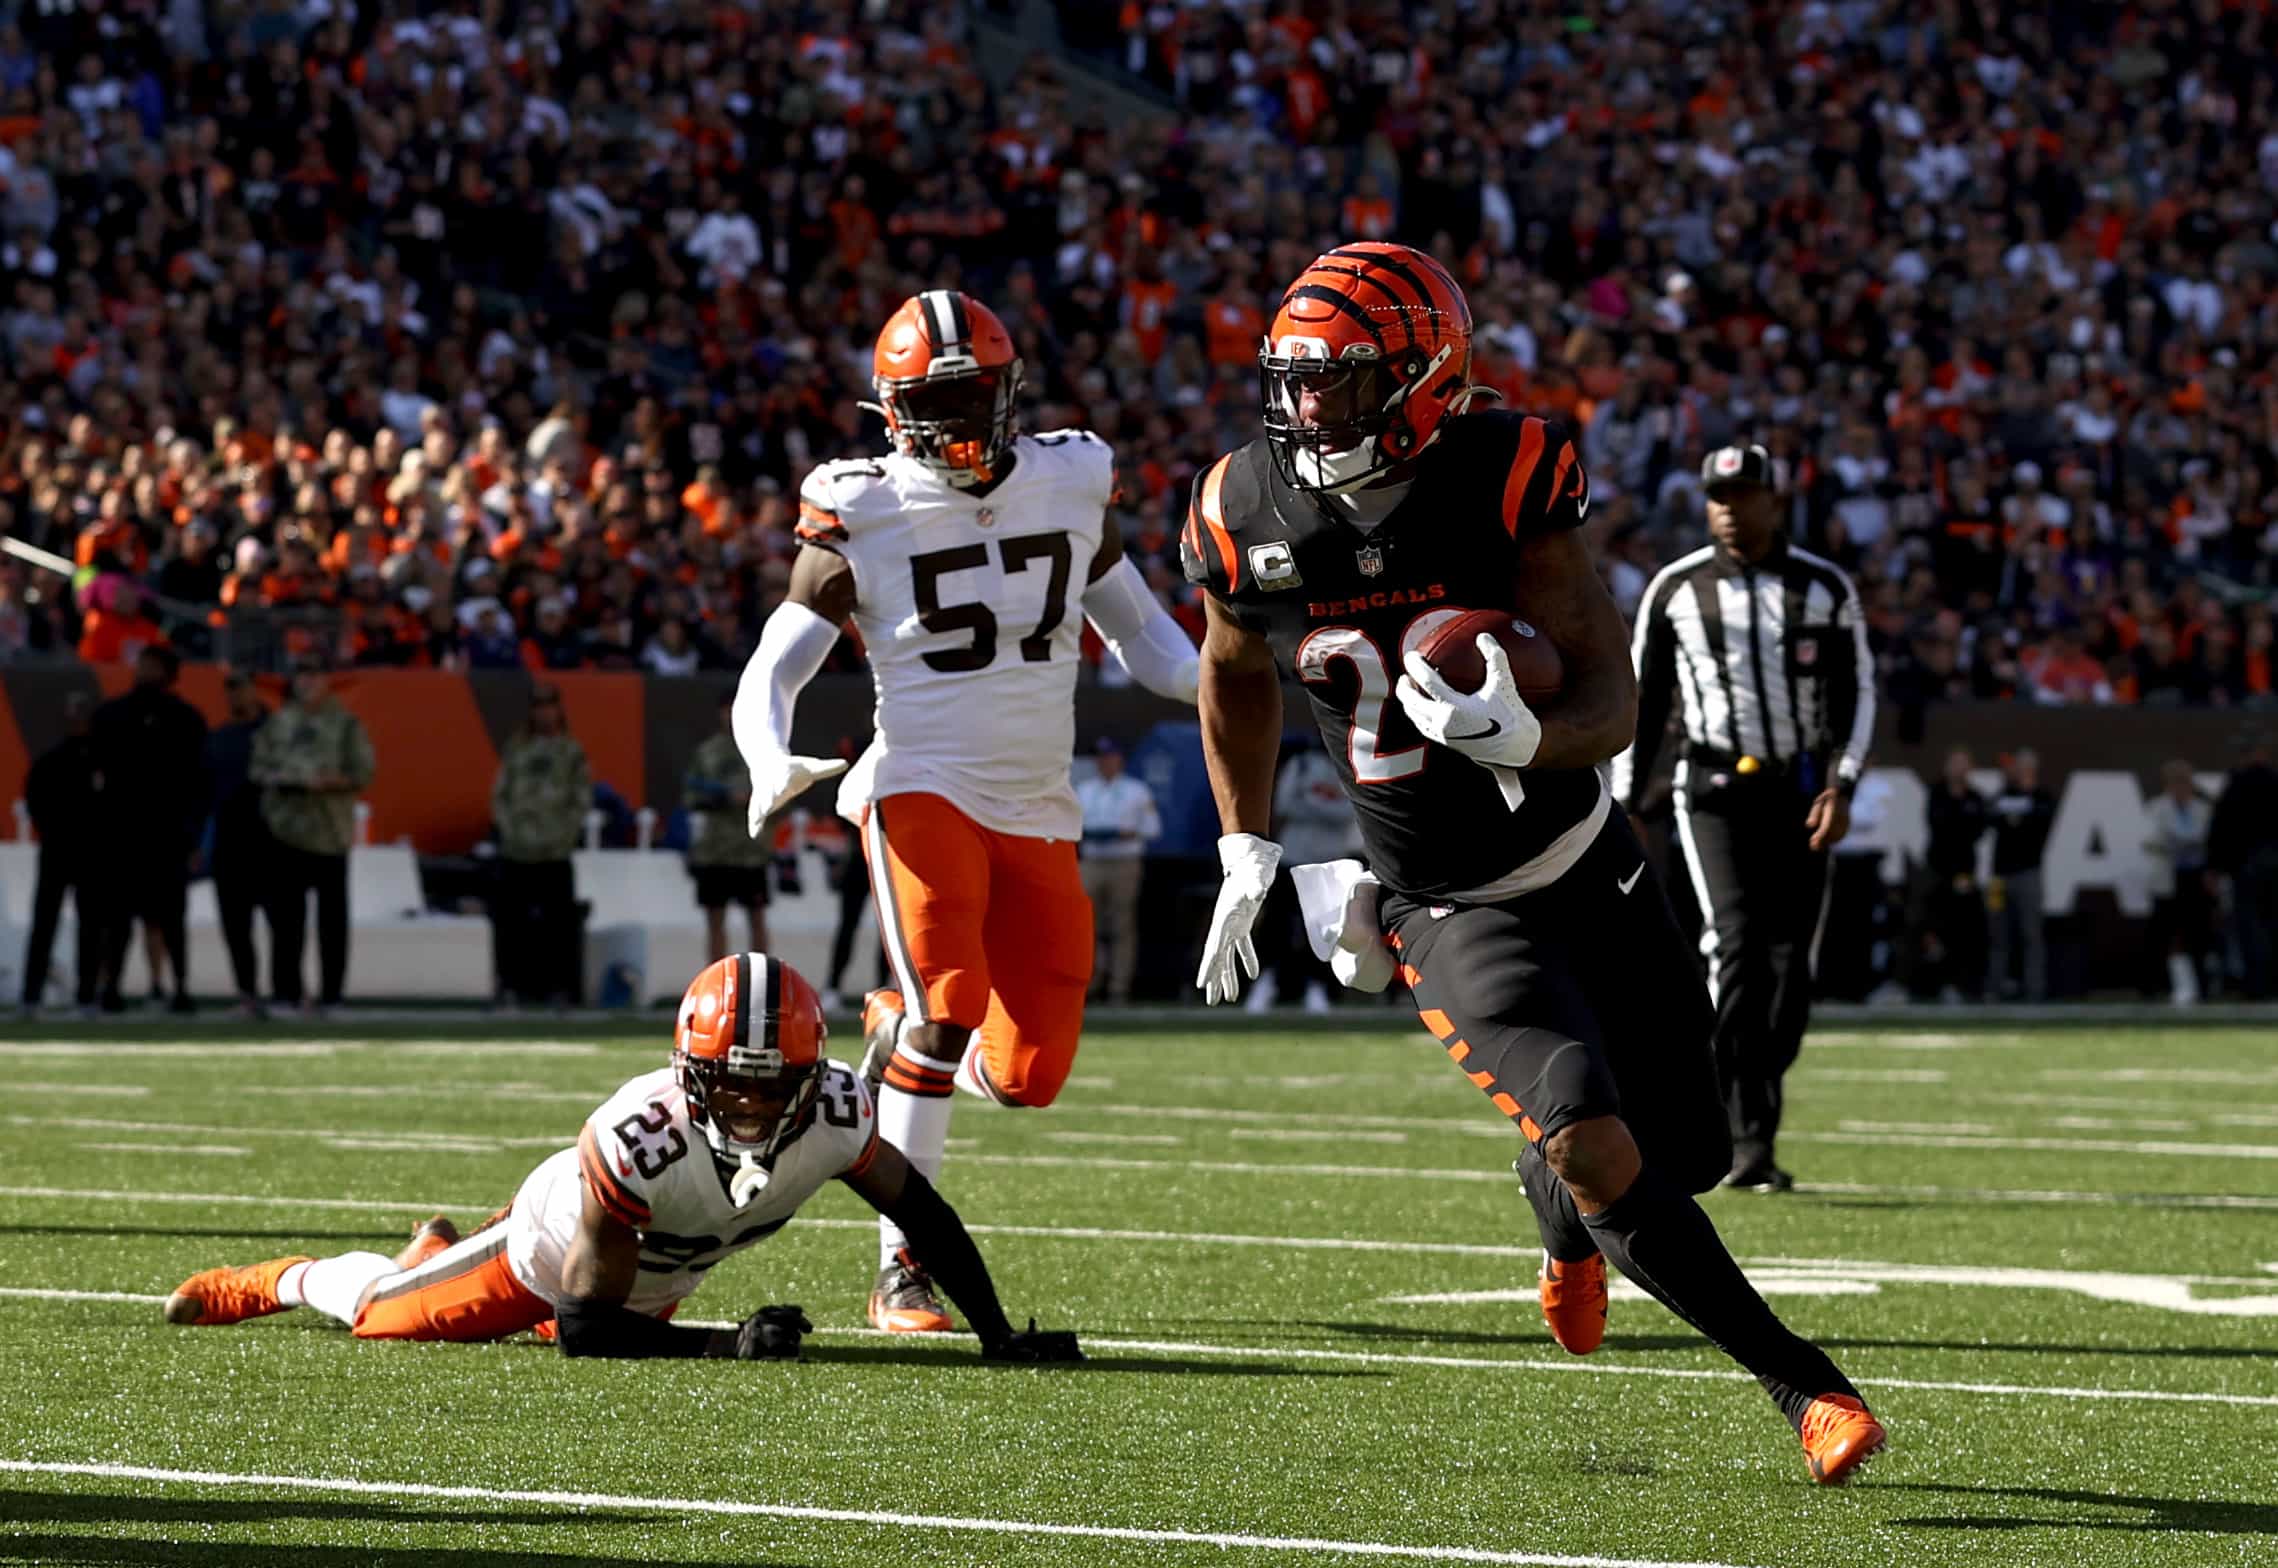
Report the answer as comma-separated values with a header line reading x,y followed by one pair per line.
x,y
1368,211
1147,302
118,632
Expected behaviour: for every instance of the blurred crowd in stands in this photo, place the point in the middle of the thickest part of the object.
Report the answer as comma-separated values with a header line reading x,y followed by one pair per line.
x,y
500,335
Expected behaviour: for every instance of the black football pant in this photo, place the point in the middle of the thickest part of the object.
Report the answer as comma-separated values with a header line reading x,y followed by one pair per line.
x,y
535,926
1579,1000
64,871
1582,1000
1763,894
294,875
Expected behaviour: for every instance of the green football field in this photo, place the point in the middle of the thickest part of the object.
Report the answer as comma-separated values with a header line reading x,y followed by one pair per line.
x,y
1303,1273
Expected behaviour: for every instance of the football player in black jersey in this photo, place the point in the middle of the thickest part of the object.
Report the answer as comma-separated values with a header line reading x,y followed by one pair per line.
x,y
1537,944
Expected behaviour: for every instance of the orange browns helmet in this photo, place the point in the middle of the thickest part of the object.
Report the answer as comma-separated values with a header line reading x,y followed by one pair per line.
x,y
1367,356
747,1049
947,381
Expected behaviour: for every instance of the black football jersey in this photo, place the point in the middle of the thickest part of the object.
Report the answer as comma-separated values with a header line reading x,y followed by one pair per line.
x,y
1342,607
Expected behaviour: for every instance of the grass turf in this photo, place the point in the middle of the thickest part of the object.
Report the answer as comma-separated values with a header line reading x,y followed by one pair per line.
x,y
1241,1383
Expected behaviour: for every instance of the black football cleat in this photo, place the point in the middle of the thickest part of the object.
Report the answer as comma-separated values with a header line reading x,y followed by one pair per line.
x,y
1763,1176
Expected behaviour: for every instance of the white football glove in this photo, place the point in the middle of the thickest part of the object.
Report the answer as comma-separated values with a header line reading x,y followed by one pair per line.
x,y
1249,862
778,780
1492,725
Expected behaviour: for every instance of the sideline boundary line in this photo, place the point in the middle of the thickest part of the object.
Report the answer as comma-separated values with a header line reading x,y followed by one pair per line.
x,y
862,1516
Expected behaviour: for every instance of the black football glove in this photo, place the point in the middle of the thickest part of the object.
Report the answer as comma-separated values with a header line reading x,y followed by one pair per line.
x,y
772,1334
1034,1347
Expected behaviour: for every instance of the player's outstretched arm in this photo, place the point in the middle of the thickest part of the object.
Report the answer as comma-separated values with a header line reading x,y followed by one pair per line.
x,y
898,1190
598,1272
1134,624
793,644
1595,717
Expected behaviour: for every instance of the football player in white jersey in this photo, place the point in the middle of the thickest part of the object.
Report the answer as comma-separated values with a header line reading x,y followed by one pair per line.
x,y
678,1170
957,555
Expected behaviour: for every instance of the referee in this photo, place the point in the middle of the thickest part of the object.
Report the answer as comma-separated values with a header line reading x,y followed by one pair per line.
x,y
1763,647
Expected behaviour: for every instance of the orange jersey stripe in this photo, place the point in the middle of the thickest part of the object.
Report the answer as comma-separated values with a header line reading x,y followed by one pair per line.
x,y
615,1198
1522,472
862,1161
1214,518
1566,460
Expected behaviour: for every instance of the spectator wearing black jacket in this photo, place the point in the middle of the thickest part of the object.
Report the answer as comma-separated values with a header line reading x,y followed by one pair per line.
x,y
151,748
1949,917
242,847
63,792
2022,813
2242,849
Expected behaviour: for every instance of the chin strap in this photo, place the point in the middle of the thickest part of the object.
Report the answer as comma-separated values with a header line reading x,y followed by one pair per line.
x,y
750,1180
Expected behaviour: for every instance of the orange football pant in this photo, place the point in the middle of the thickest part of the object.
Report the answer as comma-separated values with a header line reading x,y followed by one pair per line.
x,y
987,931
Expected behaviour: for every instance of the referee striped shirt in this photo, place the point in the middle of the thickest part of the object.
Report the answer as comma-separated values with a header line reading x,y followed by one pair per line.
x,y
1766,660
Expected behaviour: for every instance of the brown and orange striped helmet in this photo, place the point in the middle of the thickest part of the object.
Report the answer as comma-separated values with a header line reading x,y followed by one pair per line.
x,y
747,1049
948,383
1368,353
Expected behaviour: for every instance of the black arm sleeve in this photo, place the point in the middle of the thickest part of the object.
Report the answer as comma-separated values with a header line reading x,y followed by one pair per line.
x,y
604,1328
939,1239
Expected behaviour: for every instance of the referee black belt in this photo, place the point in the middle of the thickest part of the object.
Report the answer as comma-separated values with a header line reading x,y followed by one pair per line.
x,y
1740,764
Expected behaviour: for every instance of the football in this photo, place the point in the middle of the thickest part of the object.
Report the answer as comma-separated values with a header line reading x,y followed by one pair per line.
x,y
1453,649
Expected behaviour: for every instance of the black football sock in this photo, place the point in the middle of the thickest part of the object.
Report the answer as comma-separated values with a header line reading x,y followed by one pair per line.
x,y
1564,1235
1660,1238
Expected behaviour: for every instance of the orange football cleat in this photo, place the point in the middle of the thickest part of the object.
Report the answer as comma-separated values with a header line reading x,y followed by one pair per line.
x,y
1574,1302
219,1296
881,1030
428,1237
1839,1435
903,1301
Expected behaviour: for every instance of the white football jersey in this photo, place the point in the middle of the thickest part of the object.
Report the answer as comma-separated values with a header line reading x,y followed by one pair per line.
x,y
972,611
650,1166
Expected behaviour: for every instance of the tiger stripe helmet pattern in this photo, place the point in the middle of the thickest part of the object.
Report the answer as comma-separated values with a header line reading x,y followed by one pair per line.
x,y
948,382
1368,353
749,1022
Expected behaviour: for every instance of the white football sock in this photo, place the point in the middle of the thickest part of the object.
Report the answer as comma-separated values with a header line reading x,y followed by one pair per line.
x,y
334,1285
918,1125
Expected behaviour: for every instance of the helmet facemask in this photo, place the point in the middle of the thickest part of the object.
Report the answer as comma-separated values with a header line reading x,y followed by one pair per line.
x,y
748,1111
1335,425
958,420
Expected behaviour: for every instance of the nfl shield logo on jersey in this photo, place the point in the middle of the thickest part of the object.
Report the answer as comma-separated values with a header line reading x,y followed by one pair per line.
x,y
986,516
1370,560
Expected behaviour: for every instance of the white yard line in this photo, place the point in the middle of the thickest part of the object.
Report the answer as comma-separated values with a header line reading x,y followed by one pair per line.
x,y
110,1050
350,1137
723,1507
2154,1146
2222,1077
1873,1074
1571,1365
128,1091
235,1151
1152,1140
2149,1200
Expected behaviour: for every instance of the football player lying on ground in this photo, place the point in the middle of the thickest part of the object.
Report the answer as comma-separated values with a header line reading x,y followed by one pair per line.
x,y
679,1169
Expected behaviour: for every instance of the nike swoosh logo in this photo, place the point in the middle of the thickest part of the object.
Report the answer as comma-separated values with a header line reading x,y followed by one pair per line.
x,y
1630,881
1494,728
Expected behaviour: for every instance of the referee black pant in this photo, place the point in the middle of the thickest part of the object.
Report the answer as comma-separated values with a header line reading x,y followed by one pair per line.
x,y
1763,895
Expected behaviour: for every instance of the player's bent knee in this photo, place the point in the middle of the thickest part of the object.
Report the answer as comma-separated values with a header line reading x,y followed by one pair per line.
x,y
1597,1158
